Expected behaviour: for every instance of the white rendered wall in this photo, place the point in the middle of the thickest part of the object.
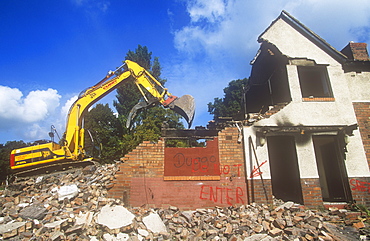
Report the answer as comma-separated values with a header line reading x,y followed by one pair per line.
x,y
359,86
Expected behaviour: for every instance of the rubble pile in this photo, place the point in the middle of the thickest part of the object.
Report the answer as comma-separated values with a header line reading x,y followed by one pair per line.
x,y
73,205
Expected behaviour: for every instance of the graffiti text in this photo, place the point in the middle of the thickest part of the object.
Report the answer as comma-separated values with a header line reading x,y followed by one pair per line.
x,y
360,185
221,194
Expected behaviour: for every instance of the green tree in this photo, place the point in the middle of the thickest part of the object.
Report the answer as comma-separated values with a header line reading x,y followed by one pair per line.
x,y
147,124
105,127
231,104
128,94
5,156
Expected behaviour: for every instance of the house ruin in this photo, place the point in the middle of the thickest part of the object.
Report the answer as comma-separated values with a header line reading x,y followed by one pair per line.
x,y
305,137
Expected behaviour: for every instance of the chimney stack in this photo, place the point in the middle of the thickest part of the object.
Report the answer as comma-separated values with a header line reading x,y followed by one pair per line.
x,y
356,51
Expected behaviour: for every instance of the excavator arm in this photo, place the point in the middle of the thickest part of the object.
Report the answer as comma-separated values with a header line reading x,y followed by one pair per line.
x,y
147,85
72,144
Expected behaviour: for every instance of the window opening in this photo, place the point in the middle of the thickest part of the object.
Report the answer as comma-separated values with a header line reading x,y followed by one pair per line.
x,y
314,81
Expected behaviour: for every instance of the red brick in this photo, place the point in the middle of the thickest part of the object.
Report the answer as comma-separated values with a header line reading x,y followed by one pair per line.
x,y
143,185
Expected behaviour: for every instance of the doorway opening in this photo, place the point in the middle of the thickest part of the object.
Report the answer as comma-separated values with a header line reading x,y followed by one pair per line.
x,y
285,176
332,172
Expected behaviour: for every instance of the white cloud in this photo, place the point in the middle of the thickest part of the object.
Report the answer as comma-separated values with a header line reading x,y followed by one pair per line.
x,y
67,105
338,22
233,26
23,114
29,117
228,26
40,104
211,10
61,124
36,106
34,132
9,102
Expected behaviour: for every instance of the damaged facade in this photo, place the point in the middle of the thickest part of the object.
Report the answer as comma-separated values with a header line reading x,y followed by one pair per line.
x,y
305,138
308,125
189,178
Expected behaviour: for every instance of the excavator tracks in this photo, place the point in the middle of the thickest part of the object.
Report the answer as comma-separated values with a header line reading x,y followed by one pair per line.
x,y
53,168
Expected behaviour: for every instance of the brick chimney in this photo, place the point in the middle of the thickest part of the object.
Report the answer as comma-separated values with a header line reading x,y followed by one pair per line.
x,y
356,51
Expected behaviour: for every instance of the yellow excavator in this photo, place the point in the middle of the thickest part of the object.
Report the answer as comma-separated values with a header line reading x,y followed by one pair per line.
x,y
71,149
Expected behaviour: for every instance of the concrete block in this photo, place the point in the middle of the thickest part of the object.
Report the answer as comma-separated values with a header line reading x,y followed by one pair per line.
x,y
68,191
154,223
115,217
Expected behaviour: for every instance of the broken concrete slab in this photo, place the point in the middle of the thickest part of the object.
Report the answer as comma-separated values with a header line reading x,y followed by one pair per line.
x,y
154,223
286,205
67,191
114,217
84,218
35,211
4,228
143,232
55,224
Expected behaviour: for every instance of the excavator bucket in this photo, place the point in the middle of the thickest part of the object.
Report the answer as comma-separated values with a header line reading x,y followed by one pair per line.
x,y
185,106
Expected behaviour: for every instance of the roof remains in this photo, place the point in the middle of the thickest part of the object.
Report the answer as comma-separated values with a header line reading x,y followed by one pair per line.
x,y
354,57
309,34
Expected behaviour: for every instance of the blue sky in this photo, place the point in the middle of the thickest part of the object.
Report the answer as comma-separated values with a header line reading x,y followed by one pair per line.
x,y
51,50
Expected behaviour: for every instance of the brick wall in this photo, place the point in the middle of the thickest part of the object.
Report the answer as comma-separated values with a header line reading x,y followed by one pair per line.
x,y
362,110
359,51
140,179
356,51
360,187
260,191
311,191
312,196
145,161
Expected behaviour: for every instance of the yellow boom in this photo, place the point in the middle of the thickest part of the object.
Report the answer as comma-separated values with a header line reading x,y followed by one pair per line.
x,y
72,148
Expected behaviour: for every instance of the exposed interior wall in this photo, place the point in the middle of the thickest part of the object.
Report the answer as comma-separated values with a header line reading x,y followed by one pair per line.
x,y
141,178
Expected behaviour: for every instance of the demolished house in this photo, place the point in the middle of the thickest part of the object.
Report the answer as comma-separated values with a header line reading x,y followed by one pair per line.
x,y
307,135
304,139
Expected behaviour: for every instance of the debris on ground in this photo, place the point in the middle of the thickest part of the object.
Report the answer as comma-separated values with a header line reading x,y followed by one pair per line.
x,y
73,205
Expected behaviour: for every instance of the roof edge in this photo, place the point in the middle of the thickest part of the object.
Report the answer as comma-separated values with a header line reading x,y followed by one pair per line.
x,y
309,34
